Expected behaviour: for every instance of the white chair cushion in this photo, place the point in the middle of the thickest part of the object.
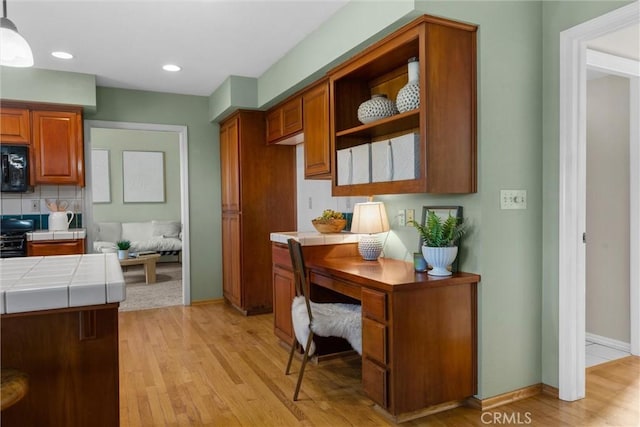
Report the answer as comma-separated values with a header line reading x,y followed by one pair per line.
x,y
156,244
329,320
108,231
136,231
166,228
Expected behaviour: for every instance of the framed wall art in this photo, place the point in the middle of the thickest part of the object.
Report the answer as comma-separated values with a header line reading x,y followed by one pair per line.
x,y
143,176
100,176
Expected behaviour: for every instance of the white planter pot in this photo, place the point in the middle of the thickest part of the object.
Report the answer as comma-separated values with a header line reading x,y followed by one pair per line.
x,y
123,253
440,259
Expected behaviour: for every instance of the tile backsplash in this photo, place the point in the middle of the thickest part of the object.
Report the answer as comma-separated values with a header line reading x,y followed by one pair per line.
x,y
33,205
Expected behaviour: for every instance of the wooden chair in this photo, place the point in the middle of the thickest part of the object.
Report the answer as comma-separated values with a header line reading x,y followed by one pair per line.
x,y
310,318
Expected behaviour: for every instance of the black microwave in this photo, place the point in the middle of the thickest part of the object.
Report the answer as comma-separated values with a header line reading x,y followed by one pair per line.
x,y
14,161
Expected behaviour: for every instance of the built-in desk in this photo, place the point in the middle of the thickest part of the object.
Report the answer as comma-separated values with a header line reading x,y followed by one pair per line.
x,y
419,333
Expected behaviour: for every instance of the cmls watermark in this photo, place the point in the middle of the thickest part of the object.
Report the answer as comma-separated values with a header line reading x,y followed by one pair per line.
x,y
510,418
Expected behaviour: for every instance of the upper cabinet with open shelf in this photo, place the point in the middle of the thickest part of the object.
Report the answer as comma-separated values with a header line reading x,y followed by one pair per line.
x,y
444,124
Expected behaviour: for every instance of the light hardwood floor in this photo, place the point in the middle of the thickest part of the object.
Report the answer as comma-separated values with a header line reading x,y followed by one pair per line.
x,y
208,365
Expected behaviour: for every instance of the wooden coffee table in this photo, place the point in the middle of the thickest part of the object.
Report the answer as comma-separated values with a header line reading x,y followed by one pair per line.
x,y
149,262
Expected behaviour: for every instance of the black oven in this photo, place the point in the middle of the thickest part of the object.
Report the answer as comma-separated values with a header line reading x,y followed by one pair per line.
x,y
13,237
14,162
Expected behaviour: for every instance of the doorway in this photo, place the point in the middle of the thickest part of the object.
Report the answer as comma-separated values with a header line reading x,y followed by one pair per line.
x,y
572,193
181,133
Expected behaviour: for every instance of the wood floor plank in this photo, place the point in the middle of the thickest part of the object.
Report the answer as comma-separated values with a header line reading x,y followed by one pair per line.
x,y
208,365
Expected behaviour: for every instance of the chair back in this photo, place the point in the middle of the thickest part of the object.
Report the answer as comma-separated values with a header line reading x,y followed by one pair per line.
x,y
299,273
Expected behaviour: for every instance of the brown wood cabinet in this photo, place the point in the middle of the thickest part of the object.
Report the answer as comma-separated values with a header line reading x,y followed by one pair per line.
x,y
15,126
445,120
284,120
71,358
258,197
317,145
54,134
55,247
57,147
419,333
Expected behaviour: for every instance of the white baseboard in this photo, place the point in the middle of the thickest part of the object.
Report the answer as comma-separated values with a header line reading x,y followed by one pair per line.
x,y
609,342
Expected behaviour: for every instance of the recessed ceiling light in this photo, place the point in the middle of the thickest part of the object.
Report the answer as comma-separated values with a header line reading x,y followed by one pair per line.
x,y
171,67
62,55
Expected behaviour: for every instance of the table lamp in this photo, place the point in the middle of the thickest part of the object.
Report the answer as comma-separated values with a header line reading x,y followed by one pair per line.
x,y
369,218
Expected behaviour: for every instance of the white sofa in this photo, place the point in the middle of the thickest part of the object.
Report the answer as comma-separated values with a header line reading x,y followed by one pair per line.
x,y
164,237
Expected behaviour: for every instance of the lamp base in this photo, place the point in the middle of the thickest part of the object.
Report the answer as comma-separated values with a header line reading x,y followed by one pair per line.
x,y
369,247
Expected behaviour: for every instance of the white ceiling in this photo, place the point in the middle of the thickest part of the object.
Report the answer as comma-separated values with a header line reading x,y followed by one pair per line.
x,y
125,43
624,42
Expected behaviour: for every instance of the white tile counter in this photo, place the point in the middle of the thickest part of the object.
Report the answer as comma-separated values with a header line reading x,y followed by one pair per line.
x,y
72,233
45,283
313,238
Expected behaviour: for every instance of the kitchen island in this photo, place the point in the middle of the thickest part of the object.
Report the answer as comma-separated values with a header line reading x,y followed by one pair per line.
x,y
59,325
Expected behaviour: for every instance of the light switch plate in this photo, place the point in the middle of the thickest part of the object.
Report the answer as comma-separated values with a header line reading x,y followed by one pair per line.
x,y
409,216
513,199
402,220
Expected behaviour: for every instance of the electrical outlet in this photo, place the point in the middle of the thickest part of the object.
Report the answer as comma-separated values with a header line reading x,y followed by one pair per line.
x,y
35,206
401,218
513,199
410,215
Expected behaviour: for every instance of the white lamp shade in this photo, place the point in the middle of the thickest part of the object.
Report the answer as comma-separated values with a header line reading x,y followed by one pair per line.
x,y
14,49
369,218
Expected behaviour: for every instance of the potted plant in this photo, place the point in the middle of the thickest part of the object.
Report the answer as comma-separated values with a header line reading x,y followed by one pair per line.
x,y
123,248
440,238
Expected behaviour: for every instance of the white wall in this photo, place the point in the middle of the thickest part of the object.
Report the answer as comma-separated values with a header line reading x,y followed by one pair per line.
x,y
314,196
607,247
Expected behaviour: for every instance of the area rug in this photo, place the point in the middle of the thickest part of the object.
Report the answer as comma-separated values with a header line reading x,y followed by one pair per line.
x,y
165,292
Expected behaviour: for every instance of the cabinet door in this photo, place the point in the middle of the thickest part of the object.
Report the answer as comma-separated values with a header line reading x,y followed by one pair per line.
x,y
292,117
274,125
63,247
317,150
231,262
15,126
284,120
229,165
57,146
71,356
283,294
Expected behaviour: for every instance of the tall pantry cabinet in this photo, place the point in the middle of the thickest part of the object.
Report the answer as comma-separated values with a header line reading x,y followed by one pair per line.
x,y
258,197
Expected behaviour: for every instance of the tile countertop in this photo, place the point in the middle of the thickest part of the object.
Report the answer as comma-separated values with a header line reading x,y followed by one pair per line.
x,y
72,233
51,282
313,238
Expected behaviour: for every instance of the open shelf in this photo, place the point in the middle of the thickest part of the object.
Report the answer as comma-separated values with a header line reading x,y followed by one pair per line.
x,y
445,120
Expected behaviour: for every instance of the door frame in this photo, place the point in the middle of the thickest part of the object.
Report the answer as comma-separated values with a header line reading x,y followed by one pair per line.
x,y
572,199
181,131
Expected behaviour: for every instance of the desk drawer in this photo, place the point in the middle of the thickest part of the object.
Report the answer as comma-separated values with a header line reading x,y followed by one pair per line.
x,y
374,304
344,288
374,340
280,256
374,382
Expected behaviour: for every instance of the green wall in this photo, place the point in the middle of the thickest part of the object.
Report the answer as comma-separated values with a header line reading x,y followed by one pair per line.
x,y
58,87
204,170
118,140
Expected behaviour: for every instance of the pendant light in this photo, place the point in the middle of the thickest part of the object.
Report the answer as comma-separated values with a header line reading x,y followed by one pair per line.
x,y
14,49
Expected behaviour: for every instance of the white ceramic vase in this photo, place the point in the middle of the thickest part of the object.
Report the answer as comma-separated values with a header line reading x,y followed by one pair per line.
x,y
440,259
409,96
378,107
58,221
123,253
